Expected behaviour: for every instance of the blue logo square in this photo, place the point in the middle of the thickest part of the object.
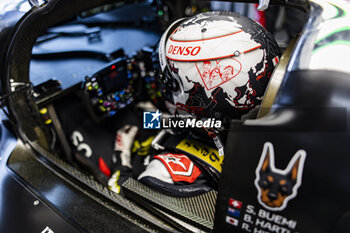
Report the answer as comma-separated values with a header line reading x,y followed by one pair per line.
x,y
151,120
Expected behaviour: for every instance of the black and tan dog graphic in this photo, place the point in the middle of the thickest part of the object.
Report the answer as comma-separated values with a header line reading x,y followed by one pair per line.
x,y
276,187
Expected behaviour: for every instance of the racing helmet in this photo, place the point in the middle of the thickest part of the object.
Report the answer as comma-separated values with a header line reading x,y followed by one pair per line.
x,y
216,64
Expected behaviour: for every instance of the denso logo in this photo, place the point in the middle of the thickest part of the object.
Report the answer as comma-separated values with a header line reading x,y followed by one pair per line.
x,y
184,50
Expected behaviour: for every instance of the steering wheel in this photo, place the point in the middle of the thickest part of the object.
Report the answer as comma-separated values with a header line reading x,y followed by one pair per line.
x,y
110,89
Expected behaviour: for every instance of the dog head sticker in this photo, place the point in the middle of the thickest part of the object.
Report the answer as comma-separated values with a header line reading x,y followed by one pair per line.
x,y
276,187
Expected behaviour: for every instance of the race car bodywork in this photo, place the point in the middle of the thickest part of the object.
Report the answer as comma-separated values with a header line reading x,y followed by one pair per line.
x,y
285,171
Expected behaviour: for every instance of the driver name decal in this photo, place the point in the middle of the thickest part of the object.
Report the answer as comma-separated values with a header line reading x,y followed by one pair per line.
x,y
249,218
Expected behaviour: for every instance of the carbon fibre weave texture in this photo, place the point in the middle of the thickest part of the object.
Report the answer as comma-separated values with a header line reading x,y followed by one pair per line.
x,y
198,210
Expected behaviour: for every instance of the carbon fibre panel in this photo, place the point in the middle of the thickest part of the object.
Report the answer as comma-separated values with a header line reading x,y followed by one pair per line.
x,y
197,211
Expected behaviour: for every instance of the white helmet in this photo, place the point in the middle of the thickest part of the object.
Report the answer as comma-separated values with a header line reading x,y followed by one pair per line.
x,y
216,64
